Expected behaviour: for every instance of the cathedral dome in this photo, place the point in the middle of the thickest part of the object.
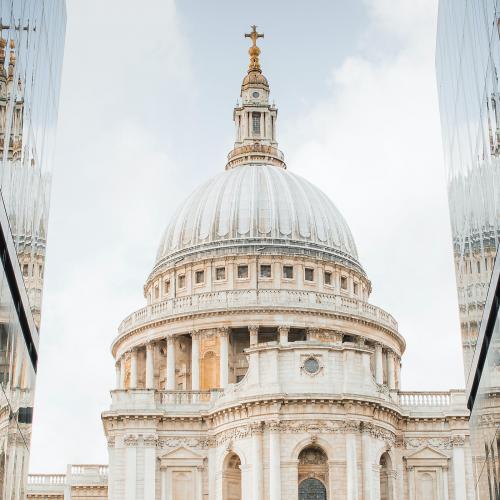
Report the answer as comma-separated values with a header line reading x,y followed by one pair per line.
x,y
258,205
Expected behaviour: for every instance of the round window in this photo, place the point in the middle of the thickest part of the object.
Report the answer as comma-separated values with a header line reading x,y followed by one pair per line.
x,y
311,365
255,94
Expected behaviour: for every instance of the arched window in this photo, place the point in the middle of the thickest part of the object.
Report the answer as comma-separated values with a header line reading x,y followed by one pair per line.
x,y
209,371
313,473
256,123
231,477
312,489
385,478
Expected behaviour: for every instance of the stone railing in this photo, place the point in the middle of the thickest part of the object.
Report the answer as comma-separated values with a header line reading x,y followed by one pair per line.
x,y
235,299
424,398
76,475
89,470
46,479
143,399
436,401
191,398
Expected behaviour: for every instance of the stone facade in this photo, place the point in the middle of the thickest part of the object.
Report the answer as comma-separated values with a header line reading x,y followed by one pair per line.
x,y
258,370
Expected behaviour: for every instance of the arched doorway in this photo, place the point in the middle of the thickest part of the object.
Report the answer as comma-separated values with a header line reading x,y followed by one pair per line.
x,y
312,489
385,477
231,477
313,473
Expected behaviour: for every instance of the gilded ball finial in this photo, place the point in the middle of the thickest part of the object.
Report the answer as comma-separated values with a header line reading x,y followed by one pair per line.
x,y
254,51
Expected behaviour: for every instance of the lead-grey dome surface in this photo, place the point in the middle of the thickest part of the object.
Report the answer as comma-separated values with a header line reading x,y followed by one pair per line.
x,y
259,205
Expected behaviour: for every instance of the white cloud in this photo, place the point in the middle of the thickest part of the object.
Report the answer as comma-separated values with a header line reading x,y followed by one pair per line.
x,y
375,146
112,196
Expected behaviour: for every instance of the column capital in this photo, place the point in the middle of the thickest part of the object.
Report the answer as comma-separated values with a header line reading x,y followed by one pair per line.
x,y
150,345
195,334
131,440
283,328
274,425
256,428
253,329
223,331
150,440
170,339
352,426
457,441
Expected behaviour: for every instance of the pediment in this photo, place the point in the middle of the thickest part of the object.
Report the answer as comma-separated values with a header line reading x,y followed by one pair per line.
x,y
427,456
427,453
182,453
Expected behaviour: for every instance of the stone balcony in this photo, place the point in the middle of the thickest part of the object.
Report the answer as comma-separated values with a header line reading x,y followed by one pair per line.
x,y
414,404
94,476
253,299
165,401
419,403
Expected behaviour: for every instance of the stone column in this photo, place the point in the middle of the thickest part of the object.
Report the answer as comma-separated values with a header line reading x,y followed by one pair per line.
x,y
274,461
256,429
246,483
390,370
130,467
150,368
411,483
195,361
224,357
212,473
458,459
283,331
379,370
445,483
254,334
352,462
368,471
199,483
112,495
397,362
133,369
164,485
150,467
170,363
118,376
122,372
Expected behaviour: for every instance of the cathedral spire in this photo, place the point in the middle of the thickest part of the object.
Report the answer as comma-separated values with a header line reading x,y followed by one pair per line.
x,y
254,116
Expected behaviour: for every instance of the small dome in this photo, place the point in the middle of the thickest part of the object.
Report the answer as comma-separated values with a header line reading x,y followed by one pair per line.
x,y
254,78
260,205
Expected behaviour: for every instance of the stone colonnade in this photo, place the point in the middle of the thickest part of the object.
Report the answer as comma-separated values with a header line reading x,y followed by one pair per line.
x,y
386,362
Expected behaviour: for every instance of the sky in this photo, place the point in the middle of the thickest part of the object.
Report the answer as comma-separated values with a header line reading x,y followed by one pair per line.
x,y
146,116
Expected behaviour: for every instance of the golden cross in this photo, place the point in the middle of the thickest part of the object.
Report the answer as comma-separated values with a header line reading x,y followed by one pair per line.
x,y
254,35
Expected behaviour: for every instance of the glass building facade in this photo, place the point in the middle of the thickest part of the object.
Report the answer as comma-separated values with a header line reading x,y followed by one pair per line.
x,y
31,48
468,72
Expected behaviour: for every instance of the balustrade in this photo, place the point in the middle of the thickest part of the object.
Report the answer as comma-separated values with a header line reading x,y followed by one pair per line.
x,y
254,298
47,479
424,399
189,397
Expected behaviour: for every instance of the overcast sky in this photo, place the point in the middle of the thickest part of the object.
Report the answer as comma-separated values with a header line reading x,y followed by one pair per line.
x,y
146,116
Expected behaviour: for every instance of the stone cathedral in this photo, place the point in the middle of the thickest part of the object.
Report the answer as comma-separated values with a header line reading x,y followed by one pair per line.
x,y
258,370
